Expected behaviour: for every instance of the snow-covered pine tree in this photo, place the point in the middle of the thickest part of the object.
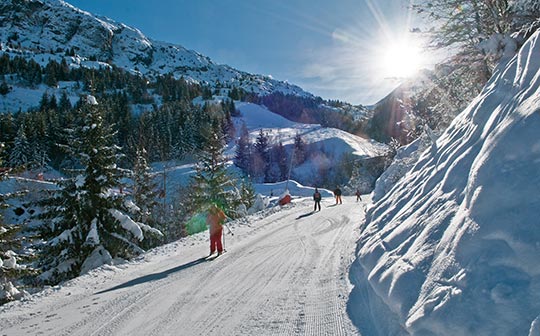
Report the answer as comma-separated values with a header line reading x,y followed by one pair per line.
x,y
145,194
212,183
247,193
21,151
86,222
10,270
39,158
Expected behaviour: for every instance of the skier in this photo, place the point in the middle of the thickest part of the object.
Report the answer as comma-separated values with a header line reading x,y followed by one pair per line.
x,y
358,198
214,220
317,199
337,194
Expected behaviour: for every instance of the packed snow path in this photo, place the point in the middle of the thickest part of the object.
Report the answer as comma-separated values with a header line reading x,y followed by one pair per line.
x,y
286,274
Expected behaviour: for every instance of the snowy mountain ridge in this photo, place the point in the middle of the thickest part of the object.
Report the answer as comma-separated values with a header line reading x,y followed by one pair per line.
x,y
46,29
452,249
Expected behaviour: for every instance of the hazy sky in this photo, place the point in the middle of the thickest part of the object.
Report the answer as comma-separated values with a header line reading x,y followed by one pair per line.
x,y
327,47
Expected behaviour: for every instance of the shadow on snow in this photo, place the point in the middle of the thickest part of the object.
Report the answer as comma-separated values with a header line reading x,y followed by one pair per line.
x,y
154,276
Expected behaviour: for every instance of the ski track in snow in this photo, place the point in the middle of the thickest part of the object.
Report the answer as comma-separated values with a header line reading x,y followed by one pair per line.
x,y
286,274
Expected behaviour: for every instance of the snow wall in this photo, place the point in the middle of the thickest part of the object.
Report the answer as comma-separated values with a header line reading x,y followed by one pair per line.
x,y
454,247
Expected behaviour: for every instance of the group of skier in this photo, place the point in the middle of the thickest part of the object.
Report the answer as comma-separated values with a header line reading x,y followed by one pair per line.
x,y
215,219
337,195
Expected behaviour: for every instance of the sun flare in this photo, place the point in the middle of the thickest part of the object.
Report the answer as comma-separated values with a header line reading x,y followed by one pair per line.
x,y
401,60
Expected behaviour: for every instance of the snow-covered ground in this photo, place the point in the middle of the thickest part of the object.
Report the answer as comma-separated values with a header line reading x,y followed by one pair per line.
x,y
453,248
278,128
285,273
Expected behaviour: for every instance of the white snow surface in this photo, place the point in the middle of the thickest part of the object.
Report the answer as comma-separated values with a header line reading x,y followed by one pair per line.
x,y
284,273
453,249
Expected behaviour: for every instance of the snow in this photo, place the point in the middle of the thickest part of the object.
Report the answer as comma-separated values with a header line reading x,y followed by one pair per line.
x,y
128,224
93,236
283,273
452,249
100,256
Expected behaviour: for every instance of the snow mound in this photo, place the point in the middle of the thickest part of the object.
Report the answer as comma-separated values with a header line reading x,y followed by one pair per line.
x,y
453,249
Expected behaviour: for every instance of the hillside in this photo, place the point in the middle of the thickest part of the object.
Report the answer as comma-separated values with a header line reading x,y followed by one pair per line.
x,y
53,29
453,248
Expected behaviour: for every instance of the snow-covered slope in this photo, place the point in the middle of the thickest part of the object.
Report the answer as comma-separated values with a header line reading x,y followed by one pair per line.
x,y
333,142
258,117
45,29
453,249
284,273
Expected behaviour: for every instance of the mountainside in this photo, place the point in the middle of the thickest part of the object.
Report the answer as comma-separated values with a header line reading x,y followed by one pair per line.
x,y
53,29
453,248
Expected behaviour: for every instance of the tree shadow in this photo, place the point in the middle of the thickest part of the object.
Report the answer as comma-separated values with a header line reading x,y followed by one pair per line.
x,y
154,276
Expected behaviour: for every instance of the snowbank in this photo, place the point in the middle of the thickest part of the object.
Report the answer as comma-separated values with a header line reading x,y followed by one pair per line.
x,y
453,249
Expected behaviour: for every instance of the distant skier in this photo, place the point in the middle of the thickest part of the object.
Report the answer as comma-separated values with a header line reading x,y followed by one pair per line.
x,y
358,198
214,220
317,199
337,194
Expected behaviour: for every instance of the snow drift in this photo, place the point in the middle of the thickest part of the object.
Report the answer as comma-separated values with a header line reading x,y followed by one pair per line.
x,y
453,248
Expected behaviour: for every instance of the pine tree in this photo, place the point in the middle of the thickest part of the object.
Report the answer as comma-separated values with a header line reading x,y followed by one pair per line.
x,y
299,154
247,193
86,222
243,150
145,192
10,241
261,157
21,153
279,163
212,183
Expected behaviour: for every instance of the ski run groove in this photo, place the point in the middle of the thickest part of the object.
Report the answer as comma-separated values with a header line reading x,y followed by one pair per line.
x,y
284,274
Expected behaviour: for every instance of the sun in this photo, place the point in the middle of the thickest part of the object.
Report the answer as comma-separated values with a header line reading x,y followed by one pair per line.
x,y
400,59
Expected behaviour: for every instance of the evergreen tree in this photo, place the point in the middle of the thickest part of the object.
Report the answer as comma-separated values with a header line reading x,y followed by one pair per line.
x,y
299,154
212,183
4,88
279,163
261,157
10,241
64,104
86,222
145,192
39,150
247,193
21,153
243,150
44,101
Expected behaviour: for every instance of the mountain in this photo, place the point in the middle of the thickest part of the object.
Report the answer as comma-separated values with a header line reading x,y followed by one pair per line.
x,y
393,116
452,249
53,29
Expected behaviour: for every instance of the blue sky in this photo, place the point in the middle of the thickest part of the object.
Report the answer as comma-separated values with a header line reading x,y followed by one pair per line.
x,y
326,47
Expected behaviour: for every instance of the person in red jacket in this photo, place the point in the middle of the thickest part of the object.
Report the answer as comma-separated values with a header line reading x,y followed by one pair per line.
x,y
214,220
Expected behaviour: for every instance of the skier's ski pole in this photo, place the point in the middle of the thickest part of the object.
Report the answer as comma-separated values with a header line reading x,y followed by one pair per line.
x,y
228,228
